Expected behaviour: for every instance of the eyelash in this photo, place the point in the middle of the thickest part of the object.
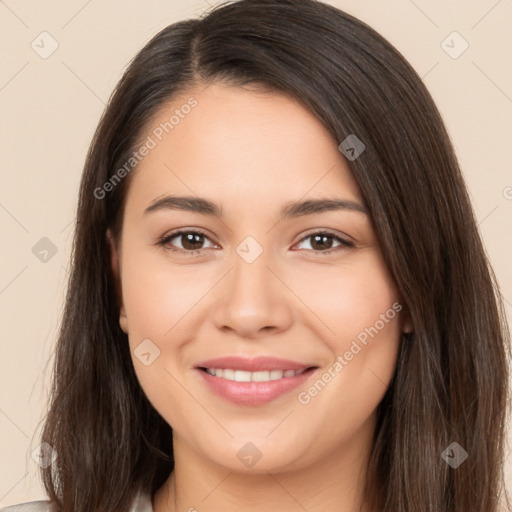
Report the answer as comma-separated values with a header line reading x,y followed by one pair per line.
x,y
167,238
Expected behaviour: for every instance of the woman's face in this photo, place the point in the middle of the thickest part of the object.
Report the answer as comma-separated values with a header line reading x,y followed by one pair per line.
x,y
246,282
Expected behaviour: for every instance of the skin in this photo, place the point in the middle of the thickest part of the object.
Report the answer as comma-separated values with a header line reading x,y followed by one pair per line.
x,y
251,152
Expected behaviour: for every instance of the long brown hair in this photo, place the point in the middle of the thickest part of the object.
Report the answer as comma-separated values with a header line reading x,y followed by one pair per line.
x,y
451,379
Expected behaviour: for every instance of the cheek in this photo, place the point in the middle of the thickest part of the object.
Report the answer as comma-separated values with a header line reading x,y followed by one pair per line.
x,y
360,306
349,300
158,295
160,303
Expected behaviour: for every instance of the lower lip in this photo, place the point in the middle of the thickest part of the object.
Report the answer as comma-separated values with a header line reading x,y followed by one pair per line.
x,y
253,393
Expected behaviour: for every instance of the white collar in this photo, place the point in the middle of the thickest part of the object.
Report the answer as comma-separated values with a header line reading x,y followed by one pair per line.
x,y
142,503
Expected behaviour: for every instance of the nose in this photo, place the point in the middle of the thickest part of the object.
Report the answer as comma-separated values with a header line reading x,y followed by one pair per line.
x,y
252,300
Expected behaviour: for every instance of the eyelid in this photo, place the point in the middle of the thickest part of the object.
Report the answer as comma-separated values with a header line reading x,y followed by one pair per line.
x,y
165,239
344,241
327,231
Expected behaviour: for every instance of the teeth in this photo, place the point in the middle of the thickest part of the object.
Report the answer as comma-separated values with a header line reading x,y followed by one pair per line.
x,y
244,376
228,374
260,376
241,376
276,374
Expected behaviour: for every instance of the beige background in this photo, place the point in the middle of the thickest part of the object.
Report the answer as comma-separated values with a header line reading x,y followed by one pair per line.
x,y
50,108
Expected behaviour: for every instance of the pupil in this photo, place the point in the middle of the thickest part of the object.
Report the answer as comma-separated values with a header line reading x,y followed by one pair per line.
x,y
189,239
319,240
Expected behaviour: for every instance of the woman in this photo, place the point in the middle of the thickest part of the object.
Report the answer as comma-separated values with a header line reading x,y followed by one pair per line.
x,y
279,299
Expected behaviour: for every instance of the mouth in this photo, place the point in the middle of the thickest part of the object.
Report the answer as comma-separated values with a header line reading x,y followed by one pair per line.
x,y
253,381
259,376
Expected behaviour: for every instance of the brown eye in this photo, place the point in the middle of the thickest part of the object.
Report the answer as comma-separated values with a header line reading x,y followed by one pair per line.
x,y
322,242
191,241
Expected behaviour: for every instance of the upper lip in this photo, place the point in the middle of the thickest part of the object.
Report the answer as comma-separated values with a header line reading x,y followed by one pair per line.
x,y
252,365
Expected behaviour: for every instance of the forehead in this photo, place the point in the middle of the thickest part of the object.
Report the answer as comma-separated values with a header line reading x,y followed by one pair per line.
x,y
260,148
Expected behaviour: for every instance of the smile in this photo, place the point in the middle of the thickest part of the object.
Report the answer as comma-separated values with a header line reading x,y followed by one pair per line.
x,y
245,376
253,381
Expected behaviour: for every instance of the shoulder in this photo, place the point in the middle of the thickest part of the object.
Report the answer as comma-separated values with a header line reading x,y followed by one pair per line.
x,y
29,506
142,503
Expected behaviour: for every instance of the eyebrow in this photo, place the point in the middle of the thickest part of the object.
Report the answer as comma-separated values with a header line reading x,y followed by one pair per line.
x,y
289,210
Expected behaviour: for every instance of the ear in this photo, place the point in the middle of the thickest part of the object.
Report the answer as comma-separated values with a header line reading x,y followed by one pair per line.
x,y
114,263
